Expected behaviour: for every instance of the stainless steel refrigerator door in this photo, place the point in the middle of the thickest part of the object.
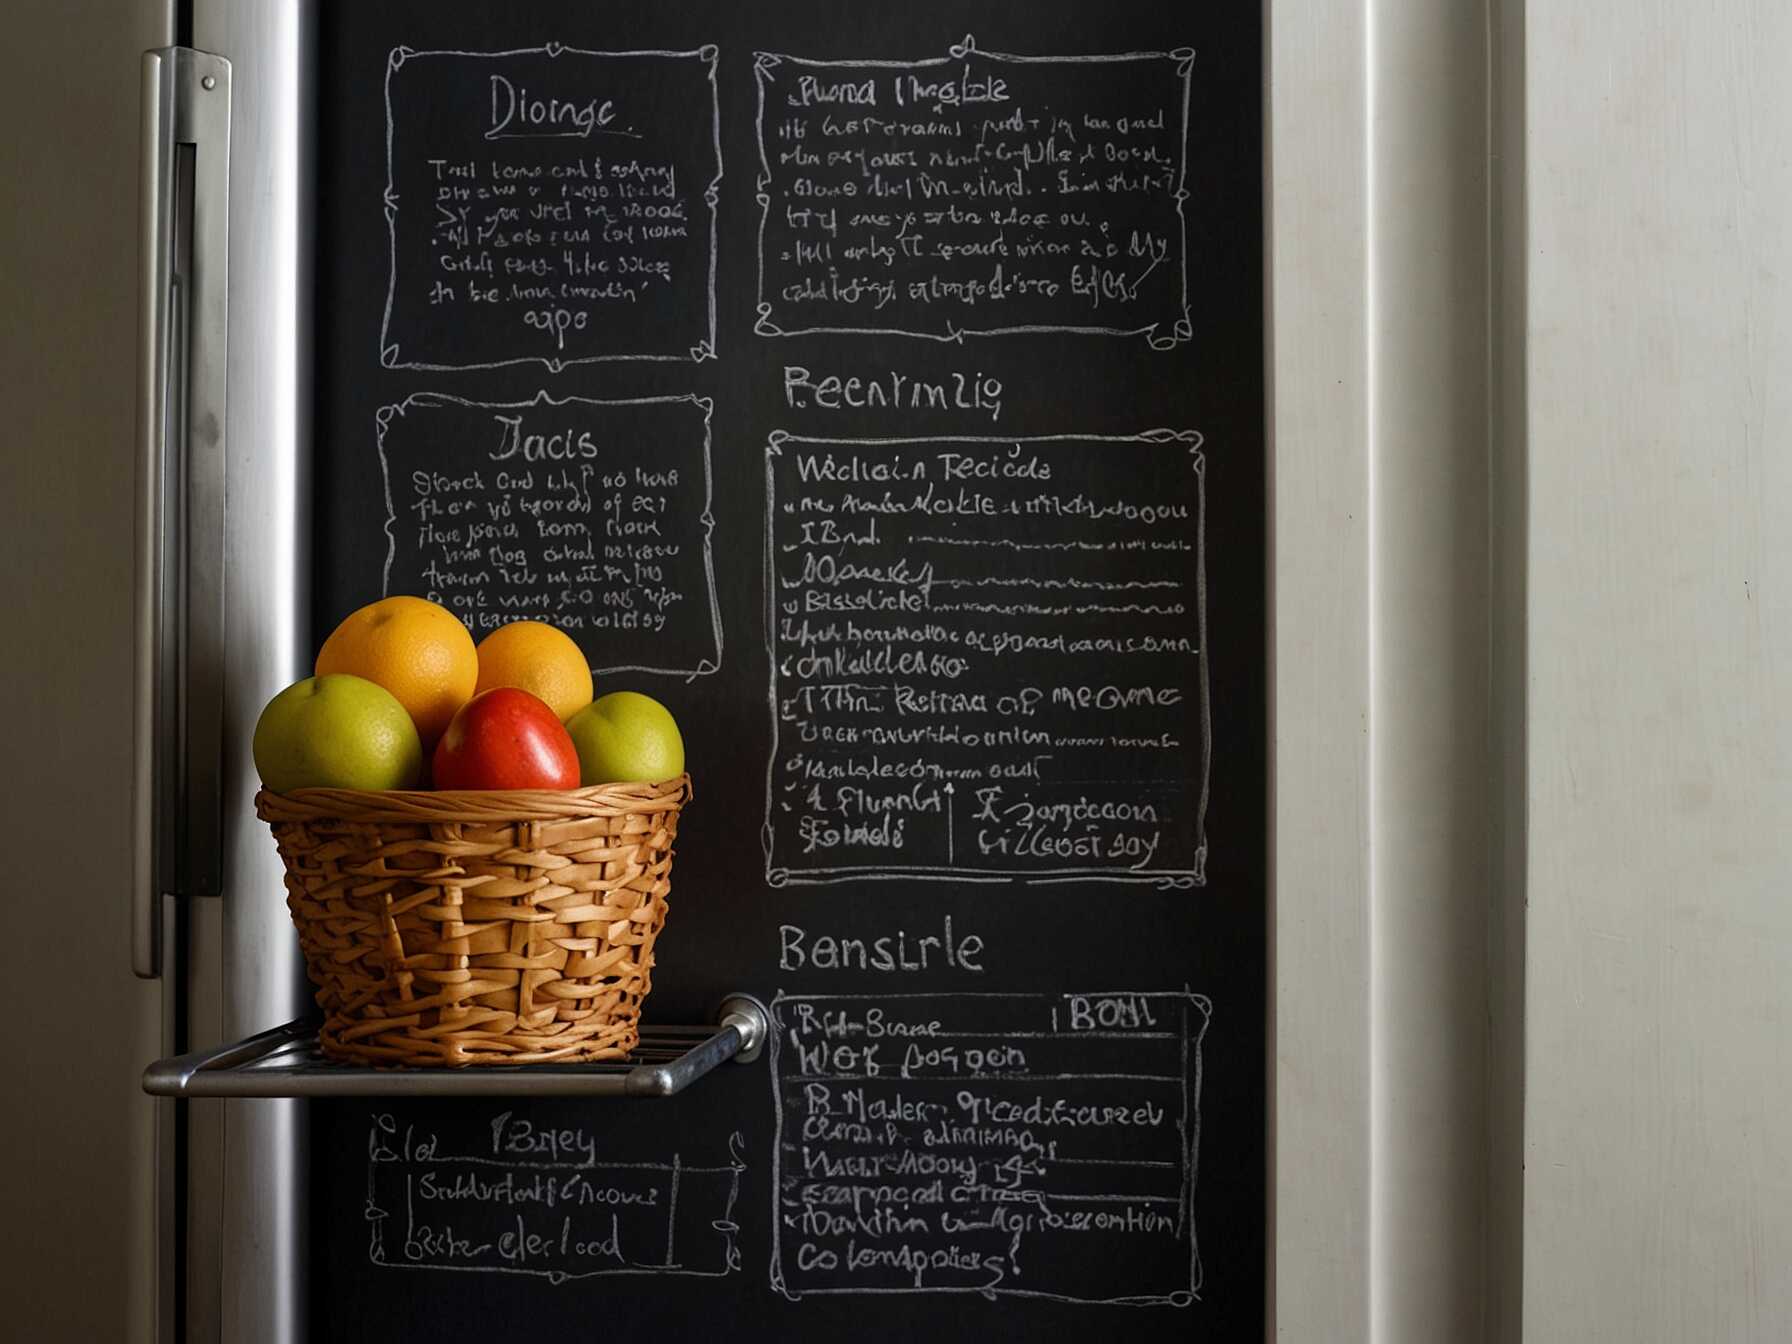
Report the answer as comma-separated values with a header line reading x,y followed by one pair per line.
x,y
80,1240
246,1159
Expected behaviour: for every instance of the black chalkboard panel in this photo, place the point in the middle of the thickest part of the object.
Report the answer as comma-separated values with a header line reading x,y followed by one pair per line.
x,y
881,387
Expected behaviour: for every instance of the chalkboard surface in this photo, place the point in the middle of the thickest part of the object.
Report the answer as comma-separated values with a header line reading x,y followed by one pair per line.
x,y
881,387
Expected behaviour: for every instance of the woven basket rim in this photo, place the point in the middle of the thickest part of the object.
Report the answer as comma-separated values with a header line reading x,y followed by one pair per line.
x,y
473,805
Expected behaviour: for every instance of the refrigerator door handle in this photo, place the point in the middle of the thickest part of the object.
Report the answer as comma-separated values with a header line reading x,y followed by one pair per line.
x,y
176,809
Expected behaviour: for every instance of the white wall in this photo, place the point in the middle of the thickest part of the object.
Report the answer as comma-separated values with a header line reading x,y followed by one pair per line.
x,y
1658,1109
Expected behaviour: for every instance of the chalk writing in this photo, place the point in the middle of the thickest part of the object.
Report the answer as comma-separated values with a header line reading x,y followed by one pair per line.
x,y
978,193
892,390
550,204
988,658
592,515
898,953
1002,1144
524,1199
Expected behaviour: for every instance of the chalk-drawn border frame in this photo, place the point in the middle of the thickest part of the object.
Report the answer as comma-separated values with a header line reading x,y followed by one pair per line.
x,y
777,875
1180,330
705,348
1188,1126
727,1225
438,400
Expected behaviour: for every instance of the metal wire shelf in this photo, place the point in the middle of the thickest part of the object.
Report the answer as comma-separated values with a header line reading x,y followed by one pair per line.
x,y
286,1062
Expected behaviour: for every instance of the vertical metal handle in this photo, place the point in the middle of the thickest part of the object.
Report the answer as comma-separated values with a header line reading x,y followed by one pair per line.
x,y
178,709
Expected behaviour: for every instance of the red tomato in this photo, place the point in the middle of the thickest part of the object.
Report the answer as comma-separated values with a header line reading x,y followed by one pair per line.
x,y
505,739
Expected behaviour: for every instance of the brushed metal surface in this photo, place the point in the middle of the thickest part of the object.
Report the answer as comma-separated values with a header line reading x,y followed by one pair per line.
x,y
182,429
149,782
257,1288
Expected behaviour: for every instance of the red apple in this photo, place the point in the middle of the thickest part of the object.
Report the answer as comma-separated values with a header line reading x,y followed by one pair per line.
x,y
505,739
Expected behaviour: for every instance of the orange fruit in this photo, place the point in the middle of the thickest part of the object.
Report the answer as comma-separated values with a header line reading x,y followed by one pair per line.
x,y
540,659
418,651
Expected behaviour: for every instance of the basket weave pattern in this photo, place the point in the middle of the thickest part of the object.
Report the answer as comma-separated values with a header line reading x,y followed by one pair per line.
x,y
478,928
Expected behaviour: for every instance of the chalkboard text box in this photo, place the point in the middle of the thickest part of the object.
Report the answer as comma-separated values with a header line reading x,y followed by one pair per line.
x,y
1037,1145
988,658
550,204
974,194
591,515
514,1198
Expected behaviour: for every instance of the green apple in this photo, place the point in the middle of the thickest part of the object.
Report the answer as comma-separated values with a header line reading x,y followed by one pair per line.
x,y
625,737
337,732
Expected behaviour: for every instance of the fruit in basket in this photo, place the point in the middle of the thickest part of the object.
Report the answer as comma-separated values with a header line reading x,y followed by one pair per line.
x,y
624,737
417,650
536,657
336,732
505,739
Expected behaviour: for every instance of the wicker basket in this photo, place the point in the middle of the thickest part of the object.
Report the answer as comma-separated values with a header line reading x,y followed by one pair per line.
x,y
478,928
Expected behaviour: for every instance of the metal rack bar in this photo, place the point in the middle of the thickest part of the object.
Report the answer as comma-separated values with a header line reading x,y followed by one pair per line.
x,y
286,1062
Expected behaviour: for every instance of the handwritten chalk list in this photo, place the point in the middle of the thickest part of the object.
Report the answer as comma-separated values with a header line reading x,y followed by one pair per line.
x,y
591,515
550,204
987,658
973,194
1026,1144
523,1198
